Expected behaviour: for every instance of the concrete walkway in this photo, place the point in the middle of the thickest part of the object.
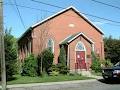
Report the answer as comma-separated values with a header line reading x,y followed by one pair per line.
x,y
18,86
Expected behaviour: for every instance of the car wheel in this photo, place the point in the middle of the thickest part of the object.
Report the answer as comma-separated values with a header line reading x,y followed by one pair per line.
x,y
106,78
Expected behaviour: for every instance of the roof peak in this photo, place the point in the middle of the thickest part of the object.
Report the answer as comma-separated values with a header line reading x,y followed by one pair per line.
x,y
63,10
74,36
66,9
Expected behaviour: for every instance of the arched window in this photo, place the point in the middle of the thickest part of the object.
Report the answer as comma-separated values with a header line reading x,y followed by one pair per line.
x,y
80,47
50,45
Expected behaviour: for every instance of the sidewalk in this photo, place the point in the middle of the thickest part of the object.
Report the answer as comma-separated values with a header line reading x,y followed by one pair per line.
x,y
50,83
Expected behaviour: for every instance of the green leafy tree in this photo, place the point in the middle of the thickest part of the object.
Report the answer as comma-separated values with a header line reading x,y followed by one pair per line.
x,y
10,54
47,60
29,67
112,49
62,56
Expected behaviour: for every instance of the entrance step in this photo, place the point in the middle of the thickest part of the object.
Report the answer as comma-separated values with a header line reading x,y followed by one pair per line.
x,y
86,73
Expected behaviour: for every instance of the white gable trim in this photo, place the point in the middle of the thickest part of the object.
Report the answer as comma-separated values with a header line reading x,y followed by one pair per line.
x,y
51,16
65,10
87,19
83,35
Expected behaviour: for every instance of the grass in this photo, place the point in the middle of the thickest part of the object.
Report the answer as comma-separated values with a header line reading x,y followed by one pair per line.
x,y
97,74
26,79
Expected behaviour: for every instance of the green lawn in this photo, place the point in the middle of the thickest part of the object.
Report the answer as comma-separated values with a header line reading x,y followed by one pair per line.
x,y
97,74
25,79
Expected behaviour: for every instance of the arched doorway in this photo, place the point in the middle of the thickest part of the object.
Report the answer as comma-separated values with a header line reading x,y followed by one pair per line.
x,y
80,56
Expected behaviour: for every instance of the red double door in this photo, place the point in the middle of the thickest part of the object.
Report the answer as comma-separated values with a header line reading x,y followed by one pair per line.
x,y
80,60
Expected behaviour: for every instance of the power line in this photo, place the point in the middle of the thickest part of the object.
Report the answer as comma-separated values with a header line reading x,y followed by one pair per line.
x,y
48,4
62,8
29,7
81,12
106,4
19,14
105,23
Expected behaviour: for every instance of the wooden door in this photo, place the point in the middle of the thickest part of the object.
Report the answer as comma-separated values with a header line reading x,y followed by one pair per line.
x,y
80,60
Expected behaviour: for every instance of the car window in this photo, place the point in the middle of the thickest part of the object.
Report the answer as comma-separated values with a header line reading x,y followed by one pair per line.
x,y
117,64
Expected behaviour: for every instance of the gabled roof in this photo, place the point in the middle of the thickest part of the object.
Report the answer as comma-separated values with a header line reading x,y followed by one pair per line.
x,y
73,37
62,11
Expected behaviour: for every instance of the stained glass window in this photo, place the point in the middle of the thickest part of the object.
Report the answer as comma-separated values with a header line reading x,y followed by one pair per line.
x,y
80,47
50,45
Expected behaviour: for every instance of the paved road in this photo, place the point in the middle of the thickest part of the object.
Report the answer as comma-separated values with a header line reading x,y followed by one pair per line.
x,y
91,85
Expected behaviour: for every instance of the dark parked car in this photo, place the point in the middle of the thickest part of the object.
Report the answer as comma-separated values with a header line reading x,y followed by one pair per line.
x,y
111,73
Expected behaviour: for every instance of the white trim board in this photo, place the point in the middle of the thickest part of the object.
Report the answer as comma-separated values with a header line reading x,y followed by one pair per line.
x,y
83,35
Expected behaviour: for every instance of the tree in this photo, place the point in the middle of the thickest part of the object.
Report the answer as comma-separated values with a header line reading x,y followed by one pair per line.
x,y
112,49
43,37
29,67
62,56
10,54
47,60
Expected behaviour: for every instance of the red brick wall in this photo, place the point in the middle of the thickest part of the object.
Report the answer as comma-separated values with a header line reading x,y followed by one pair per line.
x,y
59,29
72,52
22,45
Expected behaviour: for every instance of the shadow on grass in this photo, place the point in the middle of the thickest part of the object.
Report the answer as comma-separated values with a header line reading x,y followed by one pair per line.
x,y
110,81
12,78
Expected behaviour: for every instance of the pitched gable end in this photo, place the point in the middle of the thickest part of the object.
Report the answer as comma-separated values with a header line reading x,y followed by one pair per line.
x,y
65,10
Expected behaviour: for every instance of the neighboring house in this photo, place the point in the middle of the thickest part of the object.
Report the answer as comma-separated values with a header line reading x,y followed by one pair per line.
x,y
69,28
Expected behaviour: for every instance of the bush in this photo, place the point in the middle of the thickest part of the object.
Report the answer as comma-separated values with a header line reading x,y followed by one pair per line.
x,y
29,67
58,69
107,63
53,70
54,73
62,56
96,65
46,57
62,69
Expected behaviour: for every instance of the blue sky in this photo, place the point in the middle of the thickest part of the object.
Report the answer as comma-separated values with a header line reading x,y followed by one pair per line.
x,y
31,16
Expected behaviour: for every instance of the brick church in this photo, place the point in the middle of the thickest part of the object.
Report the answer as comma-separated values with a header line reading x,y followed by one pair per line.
x,y
69,28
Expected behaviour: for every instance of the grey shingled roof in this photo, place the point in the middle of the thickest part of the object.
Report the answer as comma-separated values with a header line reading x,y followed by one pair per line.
x,y
69,38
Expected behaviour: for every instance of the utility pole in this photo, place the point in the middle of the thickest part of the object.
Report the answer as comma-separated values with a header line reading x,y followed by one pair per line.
x,y
2,50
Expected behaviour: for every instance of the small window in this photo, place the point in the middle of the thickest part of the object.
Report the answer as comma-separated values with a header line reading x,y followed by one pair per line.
x,y
80,47
50,45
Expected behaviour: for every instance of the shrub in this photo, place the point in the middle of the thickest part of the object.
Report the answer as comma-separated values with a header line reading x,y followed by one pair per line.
x,y
29,67
58,69
62,69
96,65
53,70
46,57
62,56
107,63
54,73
